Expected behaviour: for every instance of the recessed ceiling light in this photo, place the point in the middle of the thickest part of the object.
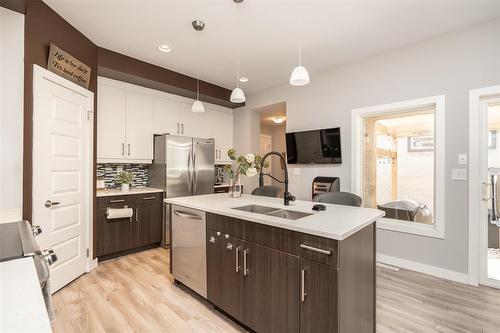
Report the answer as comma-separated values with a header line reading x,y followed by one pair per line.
x,y
278,120
164,48
243,79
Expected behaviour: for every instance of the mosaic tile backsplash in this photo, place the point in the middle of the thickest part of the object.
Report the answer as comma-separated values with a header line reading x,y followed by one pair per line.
x,y
109,171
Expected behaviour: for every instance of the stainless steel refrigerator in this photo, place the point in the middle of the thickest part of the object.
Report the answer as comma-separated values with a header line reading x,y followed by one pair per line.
x,y
182,166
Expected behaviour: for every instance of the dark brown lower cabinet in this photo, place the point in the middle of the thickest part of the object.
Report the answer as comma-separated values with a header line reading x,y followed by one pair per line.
x,y
271,290
285,282
224,273
121,235
318,299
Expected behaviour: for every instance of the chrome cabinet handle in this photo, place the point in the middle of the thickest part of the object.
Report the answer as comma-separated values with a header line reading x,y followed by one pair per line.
x,y
177,128
303,293
315,249
182,128
148,198
129,149
237,256
187,215
123,148
49,203
137,215
246,270
116,201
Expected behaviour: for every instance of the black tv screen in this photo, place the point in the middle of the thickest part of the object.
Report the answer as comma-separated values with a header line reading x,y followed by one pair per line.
x,y
314,147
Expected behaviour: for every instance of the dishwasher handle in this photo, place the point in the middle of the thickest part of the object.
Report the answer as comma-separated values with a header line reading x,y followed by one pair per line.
x,y
186,215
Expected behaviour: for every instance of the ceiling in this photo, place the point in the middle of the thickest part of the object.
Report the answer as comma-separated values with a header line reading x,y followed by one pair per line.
x,y
334,32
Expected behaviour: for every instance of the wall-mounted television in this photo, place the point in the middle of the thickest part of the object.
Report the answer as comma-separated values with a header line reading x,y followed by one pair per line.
x,y
314,147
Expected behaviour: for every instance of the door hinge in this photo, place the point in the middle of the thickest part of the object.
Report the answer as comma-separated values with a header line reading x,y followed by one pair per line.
x,y
90,113
88,253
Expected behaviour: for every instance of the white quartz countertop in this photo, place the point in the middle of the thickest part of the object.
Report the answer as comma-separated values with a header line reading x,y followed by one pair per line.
x,y
22,308
336,222
133,190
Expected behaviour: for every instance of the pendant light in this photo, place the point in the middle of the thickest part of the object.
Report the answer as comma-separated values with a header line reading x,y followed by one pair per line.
x,y
300,76
198,105
237,96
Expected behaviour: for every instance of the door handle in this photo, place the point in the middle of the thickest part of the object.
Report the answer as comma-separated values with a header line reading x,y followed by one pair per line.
x,y
303,293
190,174
187,215
123,148
148,198
137,215
116,201
195,172
246,270
177,128
129,149
182,128
49,203
237,256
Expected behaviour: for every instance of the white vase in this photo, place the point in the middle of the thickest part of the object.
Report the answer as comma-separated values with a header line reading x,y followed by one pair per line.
x,y
125,187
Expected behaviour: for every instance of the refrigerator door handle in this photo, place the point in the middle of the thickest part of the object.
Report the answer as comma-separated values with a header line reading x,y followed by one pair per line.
x,y
189,172
195,172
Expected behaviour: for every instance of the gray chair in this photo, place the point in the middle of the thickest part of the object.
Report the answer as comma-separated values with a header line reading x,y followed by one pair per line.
x,y
267,191
339,198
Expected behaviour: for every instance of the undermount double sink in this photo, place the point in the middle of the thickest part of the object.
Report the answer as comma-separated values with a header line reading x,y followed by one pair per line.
x,y
272,211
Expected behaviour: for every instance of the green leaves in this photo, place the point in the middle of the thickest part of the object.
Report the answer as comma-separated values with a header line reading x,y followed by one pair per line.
x,y
124,177
248,165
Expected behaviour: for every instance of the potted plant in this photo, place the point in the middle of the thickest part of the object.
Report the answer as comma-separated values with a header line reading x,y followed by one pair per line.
x,y
124,178
248,165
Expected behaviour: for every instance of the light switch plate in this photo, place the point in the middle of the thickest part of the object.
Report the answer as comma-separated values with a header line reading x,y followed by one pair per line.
x,y
462,158
459,174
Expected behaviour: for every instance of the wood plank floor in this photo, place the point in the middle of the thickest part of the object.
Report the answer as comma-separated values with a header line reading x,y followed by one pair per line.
x,y
136,293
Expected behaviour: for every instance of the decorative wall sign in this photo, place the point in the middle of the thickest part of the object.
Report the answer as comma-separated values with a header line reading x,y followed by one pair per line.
x,y
65,65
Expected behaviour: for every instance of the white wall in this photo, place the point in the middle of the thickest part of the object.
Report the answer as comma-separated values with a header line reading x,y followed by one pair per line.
x,y
449,65
11,107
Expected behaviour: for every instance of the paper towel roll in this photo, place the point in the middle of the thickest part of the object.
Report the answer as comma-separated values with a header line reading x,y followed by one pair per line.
x,y
119,213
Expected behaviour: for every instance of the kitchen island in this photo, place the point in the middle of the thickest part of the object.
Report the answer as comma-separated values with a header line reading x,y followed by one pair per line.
x,y
276,268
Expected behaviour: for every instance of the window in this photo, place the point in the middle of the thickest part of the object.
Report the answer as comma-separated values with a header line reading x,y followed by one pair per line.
x,y
398,164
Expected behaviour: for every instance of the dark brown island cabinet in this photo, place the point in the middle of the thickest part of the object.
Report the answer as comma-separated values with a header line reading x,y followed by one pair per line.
x,y
121,236
274,280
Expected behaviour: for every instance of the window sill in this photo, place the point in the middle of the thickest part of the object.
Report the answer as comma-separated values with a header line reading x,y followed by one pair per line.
x,y
428,230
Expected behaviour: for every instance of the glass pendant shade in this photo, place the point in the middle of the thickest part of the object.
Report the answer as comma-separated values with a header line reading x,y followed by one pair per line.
x,y
237,96
299,77
198,107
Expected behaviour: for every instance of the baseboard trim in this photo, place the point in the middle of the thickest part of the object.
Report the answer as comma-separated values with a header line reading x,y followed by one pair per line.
x,y
423,268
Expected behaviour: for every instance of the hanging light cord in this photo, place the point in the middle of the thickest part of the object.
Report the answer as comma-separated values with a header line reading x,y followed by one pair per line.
x,y
198,66
237,45
300,41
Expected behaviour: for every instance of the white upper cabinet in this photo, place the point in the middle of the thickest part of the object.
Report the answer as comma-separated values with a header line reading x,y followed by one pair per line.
x,y
166,116
129,116
111,139
139,126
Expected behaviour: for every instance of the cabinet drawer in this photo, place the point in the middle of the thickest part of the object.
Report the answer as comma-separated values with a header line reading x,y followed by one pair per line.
x,y
319,249
275,238
118,201
225,225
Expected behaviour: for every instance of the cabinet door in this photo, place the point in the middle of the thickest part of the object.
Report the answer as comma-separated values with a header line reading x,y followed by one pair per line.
x,y
113,235
192,124
271,290
219,125
224,273
166,116
110,123
318,301
139,126
148,219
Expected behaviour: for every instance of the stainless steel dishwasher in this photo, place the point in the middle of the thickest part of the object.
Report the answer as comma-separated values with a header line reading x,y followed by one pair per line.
x,y
189,257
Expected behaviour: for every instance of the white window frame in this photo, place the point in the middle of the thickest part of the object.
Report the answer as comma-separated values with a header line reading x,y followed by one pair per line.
x,y
357,134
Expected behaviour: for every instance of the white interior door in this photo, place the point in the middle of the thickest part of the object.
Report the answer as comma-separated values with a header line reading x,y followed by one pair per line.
x,y
62,167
